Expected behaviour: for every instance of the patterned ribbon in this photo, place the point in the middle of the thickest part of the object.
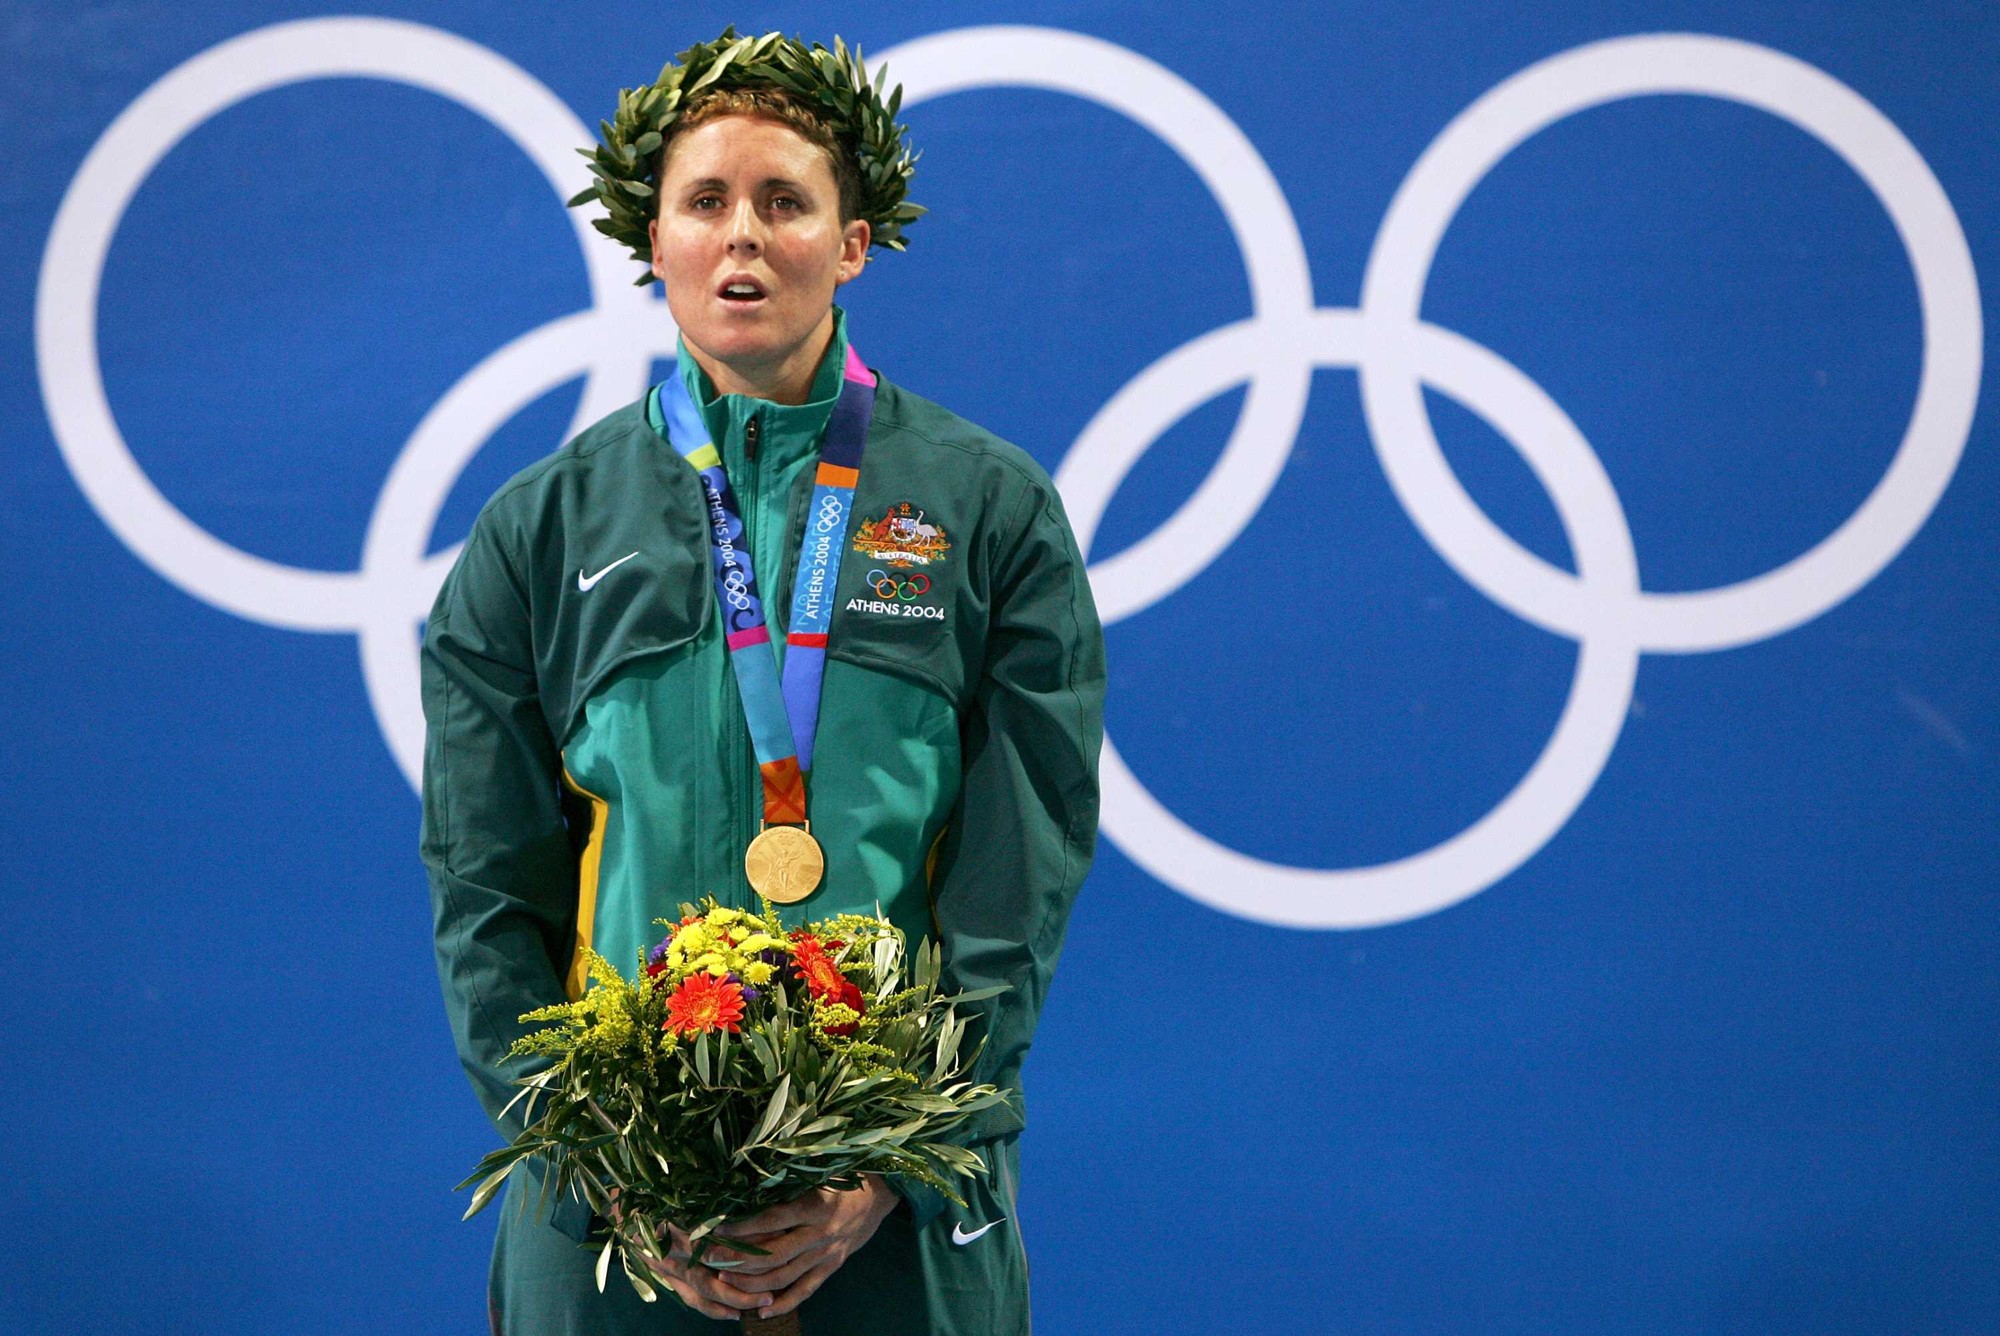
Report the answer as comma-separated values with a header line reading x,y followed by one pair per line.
x,y
783,718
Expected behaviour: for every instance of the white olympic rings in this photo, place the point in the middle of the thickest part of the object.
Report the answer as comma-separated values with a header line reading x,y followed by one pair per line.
x,y
1602,606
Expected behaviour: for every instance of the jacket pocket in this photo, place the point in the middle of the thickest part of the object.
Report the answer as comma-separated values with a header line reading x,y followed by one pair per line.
x,y
633,583
912,623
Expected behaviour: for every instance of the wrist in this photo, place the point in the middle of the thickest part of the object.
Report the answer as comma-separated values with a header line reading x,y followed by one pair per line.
x,y
882,1199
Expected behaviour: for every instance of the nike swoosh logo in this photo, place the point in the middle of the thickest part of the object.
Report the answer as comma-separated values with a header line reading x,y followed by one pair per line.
x,y
584,582
961,1238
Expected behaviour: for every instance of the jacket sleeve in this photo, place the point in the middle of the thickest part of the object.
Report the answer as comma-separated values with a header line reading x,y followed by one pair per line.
x,y
1025,827
495,844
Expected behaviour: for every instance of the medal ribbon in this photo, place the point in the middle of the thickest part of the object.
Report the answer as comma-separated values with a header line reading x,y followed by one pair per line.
x,y
783,718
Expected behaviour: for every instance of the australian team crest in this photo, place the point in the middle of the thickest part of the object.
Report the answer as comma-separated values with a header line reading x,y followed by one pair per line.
x,y
902,537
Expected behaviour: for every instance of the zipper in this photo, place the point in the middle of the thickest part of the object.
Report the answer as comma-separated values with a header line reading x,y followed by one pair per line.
x,y
750,439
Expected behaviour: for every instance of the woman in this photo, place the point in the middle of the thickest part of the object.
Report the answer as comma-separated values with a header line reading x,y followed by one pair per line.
x,y
590,763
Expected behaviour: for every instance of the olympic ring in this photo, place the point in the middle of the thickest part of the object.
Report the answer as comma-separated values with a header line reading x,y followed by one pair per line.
x,y
886,585
611,345
1602,606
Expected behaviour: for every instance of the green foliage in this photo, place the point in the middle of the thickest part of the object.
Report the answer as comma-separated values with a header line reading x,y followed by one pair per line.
x,y
704,1130
835,82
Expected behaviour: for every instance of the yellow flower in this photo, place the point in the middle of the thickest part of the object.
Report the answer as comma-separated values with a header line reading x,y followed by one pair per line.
x,y
738,933
610,1028
756,942
831,1016
758,973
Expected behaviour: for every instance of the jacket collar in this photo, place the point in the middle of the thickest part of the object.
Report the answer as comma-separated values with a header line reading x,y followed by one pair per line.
x,y
787,432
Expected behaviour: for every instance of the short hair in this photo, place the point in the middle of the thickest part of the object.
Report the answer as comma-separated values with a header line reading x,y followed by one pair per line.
x,y
772,104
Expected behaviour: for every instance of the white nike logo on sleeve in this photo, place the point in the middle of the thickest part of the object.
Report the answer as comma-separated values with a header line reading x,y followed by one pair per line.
x,y
583,582
961,1238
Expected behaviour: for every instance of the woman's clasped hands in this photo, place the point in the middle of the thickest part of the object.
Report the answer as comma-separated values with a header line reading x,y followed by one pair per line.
x,y
803,1242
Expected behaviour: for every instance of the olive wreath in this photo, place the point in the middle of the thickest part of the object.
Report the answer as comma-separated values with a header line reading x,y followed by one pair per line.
x,y
835,83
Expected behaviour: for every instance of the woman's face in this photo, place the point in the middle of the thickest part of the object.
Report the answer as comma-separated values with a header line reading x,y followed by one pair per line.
x,y
749,242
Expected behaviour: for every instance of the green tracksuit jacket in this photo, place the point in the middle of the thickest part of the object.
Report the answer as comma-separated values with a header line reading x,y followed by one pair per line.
x,y
587,768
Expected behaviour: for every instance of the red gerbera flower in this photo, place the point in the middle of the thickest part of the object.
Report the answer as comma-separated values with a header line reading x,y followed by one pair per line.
x,y
704,1002
822,977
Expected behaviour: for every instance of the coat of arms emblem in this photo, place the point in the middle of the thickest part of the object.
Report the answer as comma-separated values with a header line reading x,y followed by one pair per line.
x,y
902,537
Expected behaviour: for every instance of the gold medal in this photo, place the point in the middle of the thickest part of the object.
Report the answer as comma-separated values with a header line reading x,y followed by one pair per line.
x,y
784,864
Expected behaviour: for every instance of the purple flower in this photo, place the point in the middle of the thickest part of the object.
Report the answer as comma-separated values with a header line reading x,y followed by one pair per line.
x,y
750,994
657,952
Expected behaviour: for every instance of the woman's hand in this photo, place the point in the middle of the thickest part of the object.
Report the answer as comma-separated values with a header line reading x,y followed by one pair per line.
x,y
807,1240
707,1292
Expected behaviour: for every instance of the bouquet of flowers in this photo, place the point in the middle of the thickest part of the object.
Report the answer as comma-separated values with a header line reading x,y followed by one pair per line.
x,y
744,1066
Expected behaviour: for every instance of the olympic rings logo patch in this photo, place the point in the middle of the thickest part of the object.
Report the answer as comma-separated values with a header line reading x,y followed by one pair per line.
x,y
887,585
1395,352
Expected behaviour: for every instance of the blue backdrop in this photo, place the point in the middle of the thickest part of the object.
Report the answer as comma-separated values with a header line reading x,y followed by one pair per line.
x,y
1537,483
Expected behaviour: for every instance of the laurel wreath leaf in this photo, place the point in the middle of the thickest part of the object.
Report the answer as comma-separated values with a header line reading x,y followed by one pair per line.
x,y
834,82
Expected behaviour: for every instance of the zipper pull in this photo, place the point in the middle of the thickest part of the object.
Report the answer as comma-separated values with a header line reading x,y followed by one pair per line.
x,y
750,439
